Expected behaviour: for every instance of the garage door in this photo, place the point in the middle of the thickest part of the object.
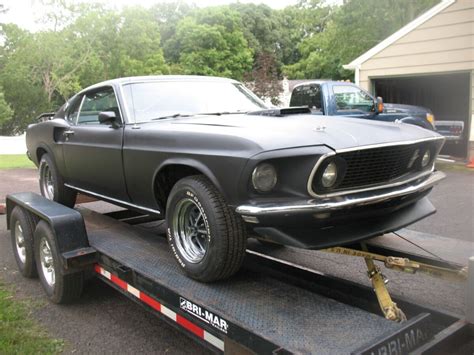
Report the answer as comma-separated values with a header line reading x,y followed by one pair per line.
x,y
447,95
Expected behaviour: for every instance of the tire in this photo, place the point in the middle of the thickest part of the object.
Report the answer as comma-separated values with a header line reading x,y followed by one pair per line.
x,y
217,249
22,227
59,288
52,184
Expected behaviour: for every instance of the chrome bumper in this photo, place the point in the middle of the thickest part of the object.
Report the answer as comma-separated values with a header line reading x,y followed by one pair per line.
x,y
337,203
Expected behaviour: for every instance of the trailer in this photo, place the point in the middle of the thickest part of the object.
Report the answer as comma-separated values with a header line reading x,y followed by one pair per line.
x,y
271,306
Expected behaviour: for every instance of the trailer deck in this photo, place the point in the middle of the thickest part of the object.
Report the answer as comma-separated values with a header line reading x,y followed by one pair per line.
x,y
270,306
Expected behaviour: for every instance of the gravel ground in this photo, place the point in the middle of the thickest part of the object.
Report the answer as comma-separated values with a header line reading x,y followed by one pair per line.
x,y
104,321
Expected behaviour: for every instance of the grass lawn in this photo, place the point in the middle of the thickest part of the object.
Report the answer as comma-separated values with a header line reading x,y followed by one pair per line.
x,y
15,161
19,334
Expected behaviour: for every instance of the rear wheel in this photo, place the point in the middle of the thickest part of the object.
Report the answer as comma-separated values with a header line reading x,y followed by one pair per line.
x,y
59,288
206,237
22,226
52,184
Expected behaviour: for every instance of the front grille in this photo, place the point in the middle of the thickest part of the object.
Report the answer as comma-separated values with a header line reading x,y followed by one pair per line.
x,y
367,167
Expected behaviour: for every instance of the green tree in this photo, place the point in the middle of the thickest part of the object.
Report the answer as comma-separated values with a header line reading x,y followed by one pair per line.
x,y
353,28
6,113
211,42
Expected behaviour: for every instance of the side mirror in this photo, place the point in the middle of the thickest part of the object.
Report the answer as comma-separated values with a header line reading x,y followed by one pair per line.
x,y
378,105
108,117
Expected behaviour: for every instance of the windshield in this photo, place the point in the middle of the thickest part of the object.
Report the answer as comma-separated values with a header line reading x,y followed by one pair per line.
x,y
351,98
162,99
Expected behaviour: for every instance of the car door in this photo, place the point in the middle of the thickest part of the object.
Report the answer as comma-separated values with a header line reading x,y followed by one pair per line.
x,y
93,151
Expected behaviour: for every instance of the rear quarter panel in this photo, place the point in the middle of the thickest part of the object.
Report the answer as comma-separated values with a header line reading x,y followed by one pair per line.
x,y
46,136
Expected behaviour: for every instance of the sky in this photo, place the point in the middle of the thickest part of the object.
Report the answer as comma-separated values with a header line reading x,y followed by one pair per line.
x,y
25,13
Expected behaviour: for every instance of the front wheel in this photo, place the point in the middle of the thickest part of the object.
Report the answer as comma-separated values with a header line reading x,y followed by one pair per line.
x,y
206,237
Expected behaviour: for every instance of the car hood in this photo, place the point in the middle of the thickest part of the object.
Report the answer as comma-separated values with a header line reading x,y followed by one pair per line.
x,y
409,109
270,133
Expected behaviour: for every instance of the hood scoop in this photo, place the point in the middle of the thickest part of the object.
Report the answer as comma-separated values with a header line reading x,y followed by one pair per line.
x,y
280,112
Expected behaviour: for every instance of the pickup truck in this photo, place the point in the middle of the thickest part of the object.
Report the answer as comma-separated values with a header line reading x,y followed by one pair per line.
x,y
335,98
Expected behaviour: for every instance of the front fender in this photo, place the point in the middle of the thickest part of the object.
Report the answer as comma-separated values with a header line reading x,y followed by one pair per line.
x,y
195,164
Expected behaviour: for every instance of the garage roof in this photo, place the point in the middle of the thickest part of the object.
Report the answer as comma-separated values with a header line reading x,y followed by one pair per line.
x,y
399,34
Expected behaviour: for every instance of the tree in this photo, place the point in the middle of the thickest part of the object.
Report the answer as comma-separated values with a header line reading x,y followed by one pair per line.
x,y
353,29
263,80
6,113
211,42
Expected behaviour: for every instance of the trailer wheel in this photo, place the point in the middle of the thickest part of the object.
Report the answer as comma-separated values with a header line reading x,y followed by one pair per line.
x,y
22,227
52,184
60,288
206,237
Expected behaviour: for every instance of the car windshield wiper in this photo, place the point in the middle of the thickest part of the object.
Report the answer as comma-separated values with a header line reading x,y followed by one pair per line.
x,y
222,113
199,114
170,116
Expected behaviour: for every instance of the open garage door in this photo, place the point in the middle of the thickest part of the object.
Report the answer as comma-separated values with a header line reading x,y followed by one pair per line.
x,y
447,95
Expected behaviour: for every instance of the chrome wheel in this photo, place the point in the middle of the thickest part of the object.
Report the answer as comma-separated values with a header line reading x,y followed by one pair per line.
x,y
20,242
47,183
47,262
190,230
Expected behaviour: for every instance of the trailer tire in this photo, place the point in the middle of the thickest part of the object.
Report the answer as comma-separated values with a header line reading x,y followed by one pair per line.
x,y
22,227
59,287
218,248
52,184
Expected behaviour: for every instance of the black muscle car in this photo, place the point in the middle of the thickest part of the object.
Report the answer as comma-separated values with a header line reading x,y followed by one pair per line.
x,y
206,154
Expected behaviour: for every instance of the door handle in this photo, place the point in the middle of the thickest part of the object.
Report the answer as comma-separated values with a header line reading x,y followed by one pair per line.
x,y
68,133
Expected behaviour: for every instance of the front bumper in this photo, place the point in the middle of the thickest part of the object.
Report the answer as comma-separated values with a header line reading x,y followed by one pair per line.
x,y
251,212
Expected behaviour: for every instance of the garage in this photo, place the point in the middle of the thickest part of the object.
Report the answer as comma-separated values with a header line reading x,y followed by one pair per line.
x,y
447,95
430,63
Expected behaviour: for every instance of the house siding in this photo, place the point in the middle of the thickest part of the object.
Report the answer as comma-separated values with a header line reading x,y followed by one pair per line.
x,y
444,43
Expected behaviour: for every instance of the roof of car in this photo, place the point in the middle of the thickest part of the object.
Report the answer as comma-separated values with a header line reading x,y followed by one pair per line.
x,y
309,82
151,78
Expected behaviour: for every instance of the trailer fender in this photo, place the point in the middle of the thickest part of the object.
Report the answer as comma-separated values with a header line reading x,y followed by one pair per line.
x,y
67,225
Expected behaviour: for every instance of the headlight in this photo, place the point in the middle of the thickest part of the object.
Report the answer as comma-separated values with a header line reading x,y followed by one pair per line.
x,y
426,159
264,177
329,176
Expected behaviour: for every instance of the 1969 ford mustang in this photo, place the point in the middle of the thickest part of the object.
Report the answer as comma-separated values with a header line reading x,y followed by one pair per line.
x,y
209,156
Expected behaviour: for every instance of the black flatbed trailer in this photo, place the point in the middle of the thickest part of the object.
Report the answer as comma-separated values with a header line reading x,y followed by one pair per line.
x,y
270,306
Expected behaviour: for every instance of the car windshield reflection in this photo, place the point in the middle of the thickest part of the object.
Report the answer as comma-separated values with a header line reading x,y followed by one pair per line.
x,y
147,101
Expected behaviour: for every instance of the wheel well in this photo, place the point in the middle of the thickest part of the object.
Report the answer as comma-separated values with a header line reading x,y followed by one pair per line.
x,y
39,153
167,178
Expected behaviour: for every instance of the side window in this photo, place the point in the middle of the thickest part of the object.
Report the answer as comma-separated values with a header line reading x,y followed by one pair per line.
x,y
307,95
73,109
95,102
351,98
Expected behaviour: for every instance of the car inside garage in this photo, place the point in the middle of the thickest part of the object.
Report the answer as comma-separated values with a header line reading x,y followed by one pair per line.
x,y
447,95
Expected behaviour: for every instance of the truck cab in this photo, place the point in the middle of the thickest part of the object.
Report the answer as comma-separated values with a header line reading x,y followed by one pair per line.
x,y
334,98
